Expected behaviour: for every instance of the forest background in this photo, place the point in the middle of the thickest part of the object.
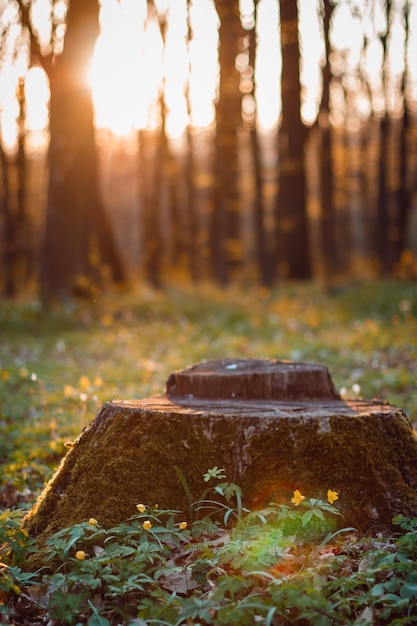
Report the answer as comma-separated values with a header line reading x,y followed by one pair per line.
x,y
222,141
267,147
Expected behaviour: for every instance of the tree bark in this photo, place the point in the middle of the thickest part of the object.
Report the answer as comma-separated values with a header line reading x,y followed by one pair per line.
x,y
264,244
293,241
79,251
384,230
152,162
327,223
225,225
8,217
404,192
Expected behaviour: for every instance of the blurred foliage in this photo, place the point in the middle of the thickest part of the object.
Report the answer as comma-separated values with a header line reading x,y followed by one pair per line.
x,y
57,366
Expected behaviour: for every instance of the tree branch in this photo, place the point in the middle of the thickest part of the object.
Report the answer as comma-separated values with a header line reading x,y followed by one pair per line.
x,y
35,49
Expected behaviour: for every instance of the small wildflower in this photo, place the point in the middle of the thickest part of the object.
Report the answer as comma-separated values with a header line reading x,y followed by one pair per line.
x,y
298,497
93,521
80,555
16,589
183,525
68,391
147,525
84,382
141,508
332,496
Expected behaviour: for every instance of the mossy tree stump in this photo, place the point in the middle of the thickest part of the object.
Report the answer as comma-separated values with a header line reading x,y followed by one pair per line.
x,y
274,426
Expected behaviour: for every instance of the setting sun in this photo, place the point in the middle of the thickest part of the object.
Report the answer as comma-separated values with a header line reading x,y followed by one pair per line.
x,y
168,56
133,66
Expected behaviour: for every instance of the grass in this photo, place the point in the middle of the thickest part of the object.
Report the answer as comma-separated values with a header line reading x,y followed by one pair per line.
x,y
58,366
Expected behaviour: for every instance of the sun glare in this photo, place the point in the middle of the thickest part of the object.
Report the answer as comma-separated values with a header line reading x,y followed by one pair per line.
x,y
176,69
118,60
37,96
169,58
204,65
9,108
268,65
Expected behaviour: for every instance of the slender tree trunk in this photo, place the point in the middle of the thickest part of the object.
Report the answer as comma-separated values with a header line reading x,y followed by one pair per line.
x,y
79,251
193,246
225,225
327,223
8,218
14,210
293,241
151,180
263,253
404,195
383,236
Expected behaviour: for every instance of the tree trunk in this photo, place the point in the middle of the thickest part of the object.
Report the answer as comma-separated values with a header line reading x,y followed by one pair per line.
x,y
383,203
264,250
404,192
152,162
8,217
292,223
79,252
225,228
327,225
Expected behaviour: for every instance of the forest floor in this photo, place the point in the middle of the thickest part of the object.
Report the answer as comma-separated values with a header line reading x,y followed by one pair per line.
x,y
58,366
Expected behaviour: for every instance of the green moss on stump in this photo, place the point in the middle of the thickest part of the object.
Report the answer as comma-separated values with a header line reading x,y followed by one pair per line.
x,y
365,451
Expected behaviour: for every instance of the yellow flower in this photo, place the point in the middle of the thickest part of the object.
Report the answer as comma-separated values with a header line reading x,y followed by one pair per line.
x,y
93,521
297,497
84,382
332,496
183,525
147,525
80,555
141,508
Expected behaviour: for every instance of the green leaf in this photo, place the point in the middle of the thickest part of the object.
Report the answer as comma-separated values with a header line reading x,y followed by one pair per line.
x,y
185,486
392,585
96,619
318,513
377,590
391,597
334,534
307,517
408,590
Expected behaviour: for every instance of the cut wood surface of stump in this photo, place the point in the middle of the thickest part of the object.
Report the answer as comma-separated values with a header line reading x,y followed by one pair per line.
x,y
253,379
274,426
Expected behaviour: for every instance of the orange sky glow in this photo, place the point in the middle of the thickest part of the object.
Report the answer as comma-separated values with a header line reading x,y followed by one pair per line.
x,y
131,66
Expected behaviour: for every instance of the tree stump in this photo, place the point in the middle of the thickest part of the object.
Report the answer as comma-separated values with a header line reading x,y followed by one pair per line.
x,y
273,426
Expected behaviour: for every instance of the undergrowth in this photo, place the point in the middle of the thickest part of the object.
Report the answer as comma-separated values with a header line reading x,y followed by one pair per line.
x,y
228,565
274,566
